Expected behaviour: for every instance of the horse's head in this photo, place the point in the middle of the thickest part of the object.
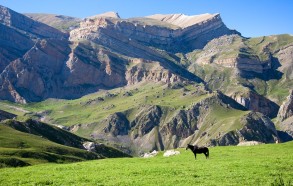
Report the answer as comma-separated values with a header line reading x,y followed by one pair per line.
x,y
188,146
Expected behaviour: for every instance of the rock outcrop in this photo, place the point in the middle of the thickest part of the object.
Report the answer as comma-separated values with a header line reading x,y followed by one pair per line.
x,y
285,117
117,124
257,103
286,109
151,72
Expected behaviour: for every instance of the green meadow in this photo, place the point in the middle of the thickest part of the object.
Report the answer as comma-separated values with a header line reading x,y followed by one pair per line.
x,y
270,164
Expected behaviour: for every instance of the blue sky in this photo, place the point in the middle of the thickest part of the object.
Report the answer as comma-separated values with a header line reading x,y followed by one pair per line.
x,y
250,17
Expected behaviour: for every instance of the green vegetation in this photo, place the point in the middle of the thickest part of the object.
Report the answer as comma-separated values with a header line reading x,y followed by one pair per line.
x,y
21,149
254,165
98,106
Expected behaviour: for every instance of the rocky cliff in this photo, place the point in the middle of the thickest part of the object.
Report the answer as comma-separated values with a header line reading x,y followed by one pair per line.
x,y
257,103
286,109
285,117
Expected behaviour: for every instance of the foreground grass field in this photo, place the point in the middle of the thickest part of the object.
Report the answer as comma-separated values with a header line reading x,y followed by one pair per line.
x,y
254,165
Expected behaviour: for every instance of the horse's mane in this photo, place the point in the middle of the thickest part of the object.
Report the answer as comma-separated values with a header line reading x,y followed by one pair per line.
x,y
193,146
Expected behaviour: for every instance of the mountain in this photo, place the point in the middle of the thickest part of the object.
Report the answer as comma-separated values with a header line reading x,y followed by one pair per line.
x,y
103,52
147,83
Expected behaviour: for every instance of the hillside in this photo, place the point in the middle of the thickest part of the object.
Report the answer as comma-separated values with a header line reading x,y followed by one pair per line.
x,y
32,142
136,120
60,22
146,83
226,166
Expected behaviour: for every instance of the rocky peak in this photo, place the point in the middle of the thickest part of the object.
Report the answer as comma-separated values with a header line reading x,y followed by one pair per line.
x,y
184,21
106,14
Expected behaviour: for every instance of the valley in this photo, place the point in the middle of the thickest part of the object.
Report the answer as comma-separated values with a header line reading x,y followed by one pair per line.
x,y
122,87
254,165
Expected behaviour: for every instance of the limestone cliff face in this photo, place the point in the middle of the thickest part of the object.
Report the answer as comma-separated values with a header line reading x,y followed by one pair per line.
x,y
13,45
96,68
285,57
117,124
150,72
286,109
36,74
285,117
257,103
153,32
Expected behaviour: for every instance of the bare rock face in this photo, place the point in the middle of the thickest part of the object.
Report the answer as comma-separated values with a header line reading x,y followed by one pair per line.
x,y
32,76
96,68
146,120
257,103
154,31
285,117
285,56
117,124
286,109
13,45
150,72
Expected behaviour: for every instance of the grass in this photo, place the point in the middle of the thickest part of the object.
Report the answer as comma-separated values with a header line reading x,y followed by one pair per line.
x,y
32,149
254,165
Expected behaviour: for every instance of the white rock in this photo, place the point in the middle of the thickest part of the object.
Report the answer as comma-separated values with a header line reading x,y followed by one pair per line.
x,y
151,154
89,146
171,153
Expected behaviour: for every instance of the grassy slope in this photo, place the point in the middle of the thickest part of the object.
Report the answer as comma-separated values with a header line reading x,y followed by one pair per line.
x,y
80,111
35,149
254,165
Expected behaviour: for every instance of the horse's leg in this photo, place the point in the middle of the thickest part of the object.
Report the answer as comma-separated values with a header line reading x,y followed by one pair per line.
x,y
194,155
207,154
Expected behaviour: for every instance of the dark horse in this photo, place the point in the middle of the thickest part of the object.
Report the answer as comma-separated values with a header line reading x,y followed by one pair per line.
x,y
198,150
